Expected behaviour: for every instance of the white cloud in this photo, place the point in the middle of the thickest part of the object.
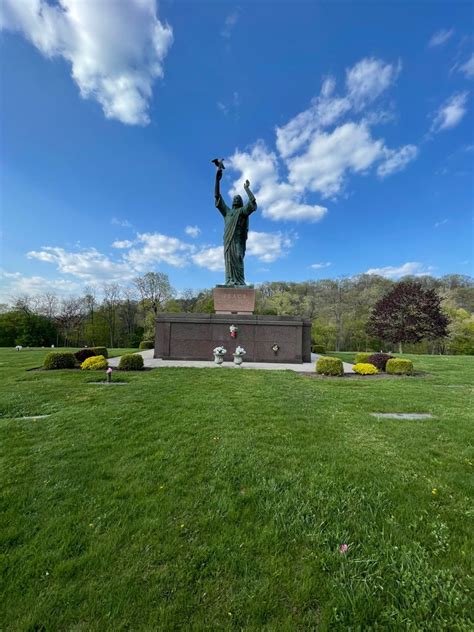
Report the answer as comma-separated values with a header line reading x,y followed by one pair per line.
x,y
320,266
268,247
210,258
89,264
279,200
116,48
413,268
396,160
230,23
14,284
123,223
331,156
192,231
440,37
441,223
319,148
154,248
123,243
368,79
450,113
468,67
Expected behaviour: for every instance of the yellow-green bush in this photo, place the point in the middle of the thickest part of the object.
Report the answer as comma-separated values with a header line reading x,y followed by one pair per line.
x,y
94,363
399,366
329,366
362,357
364,368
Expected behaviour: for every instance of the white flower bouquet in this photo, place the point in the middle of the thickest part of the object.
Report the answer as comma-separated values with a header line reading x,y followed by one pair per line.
x,y
219,351
240,351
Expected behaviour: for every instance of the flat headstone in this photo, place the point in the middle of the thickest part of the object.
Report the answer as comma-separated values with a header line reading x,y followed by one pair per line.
x,y
108,383
32,417
402,415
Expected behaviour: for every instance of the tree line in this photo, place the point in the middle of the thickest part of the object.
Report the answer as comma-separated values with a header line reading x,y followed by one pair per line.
x,y
121,316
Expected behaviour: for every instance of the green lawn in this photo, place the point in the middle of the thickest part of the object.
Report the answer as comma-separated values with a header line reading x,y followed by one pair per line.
x,y
217,499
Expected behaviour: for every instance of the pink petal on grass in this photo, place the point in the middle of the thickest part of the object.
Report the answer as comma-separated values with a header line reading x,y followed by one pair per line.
x,y
343,548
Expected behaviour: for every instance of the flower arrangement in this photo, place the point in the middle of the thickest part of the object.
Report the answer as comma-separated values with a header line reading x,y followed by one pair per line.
x,y
275,348
240,351
219,351
233,331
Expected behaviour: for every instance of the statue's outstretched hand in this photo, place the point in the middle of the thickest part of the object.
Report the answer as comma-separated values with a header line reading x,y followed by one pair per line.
x,y
246,184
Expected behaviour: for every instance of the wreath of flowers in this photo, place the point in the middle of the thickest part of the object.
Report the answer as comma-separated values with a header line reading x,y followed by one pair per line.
x,y
233,331
275,348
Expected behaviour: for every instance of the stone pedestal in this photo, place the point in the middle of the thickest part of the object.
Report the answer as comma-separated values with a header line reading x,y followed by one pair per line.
x,y
182,336
229,300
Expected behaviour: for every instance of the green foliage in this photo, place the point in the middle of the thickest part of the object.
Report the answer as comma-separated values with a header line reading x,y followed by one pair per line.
x,y
329,366
94,363
365,368
59,360
362,357
399,366
83,354
147,344
26,329
131,362
100,351
318,349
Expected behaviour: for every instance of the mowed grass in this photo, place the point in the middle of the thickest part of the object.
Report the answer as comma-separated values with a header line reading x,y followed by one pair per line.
x,y
217,499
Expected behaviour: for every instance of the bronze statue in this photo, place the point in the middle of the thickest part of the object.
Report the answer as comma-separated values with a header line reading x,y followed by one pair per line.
x,y
236,226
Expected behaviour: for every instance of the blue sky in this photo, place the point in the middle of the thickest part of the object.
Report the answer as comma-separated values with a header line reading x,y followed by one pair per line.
x,y
353,122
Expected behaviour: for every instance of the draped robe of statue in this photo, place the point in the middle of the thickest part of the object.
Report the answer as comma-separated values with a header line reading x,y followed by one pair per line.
x,y
236,227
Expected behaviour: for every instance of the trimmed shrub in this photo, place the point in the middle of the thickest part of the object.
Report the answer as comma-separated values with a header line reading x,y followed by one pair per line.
x,y
363,357
59,360
131,362
146,344
399,366
364,368
329,366
94,363
83,354
379,360
318,349
100,351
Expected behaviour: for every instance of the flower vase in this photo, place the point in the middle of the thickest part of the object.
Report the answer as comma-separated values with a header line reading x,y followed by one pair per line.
x,y
238,359
218,359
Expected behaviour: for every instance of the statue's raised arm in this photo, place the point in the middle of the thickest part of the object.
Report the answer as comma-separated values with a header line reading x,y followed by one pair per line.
x,y
251,205
220,204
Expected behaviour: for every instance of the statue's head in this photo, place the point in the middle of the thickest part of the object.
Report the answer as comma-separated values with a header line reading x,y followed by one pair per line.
x,y
237,202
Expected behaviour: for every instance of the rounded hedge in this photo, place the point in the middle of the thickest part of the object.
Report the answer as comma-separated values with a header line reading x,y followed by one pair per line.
x,y
329,366
146,344
379,360
318,349
94,363
364,368
363,357
59,360
131,362
83,354
100,351
399,366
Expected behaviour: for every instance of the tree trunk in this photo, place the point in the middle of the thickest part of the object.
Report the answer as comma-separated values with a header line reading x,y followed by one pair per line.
x,y
400,348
